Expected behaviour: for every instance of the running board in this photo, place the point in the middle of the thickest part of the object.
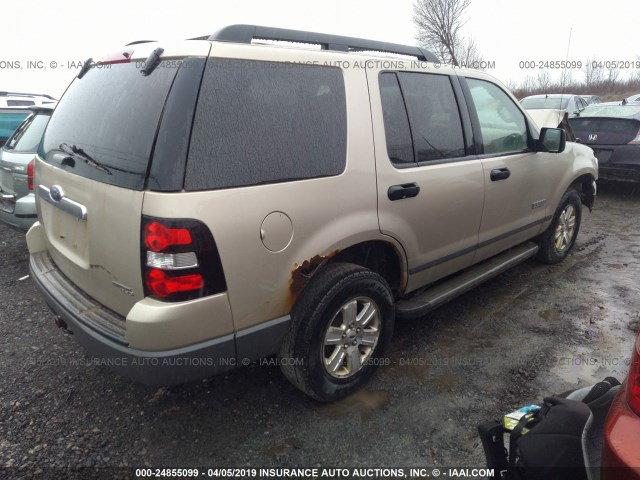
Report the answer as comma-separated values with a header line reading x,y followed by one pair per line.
x,y
420,305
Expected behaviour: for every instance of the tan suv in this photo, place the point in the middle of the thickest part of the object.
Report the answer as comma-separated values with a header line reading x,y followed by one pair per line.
x,y
207,204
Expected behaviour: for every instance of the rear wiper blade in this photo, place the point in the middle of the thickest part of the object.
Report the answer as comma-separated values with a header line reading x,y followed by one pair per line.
x,y
76,151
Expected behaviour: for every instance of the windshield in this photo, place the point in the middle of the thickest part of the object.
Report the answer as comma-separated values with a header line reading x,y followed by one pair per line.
x,y
28,135
107,123
556,103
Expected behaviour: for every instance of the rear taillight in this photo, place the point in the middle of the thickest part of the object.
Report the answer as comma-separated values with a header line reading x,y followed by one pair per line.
x,y
163,285
180,260
633,380
30,167
158,237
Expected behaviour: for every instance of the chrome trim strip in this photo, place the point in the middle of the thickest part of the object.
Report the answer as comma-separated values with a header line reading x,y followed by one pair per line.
x,y
71,207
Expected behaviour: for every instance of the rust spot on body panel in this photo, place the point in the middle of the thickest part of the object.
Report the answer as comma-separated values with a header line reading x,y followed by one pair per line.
x,y
301,274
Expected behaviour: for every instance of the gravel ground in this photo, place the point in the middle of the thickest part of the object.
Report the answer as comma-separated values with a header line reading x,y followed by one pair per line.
x,y
533,331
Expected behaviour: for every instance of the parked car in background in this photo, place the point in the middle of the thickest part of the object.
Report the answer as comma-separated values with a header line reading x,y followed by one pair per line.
x,y
16,99
591,99
613,132
10,118
633,98
572,104
17,202
621,442
550,118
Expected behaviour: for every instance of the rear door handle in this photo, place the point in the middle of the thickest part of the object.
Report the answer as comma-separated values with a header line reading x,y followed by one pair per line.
x,y
406,190
500,174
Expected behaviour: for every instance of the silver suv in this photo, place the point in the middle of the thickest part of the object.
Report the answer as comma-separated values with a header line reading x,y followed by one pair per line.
x,y
207,204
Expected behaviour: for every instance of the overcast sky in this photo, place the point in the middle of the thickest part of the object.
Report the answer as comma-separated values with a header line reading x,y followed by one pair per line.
x,y
507,32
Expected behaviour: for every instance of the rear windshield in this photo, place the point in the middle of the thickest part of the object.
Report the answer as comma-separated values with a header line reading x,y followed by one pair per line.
x,y
537,103
105,125
9,121
28,135
611,111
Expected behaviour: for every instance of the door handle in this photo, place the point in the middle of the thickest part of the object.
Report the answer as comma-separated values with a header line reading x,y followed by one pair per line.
x,y
406,190
500,174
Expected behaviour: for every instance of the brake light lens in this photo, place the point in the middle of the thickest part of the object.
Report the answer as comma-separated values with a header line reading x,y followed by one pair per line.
x,y
162,285
179,260
157,237
633,380
30,168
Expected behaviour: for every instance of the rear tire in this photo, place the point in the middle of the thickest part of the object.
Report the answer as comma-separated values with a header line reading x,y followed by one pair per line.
x,y
557,241
340,326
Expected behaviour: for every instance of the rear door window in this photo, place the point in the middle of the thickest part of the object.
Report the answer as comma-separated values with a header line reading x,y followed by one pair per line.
x,y
396,121
107,122
265,122
434,118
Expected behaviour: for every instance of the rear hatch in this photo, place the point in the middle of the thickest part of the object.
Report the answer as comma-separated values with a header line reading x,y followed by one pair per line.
x,y
92,170
605,130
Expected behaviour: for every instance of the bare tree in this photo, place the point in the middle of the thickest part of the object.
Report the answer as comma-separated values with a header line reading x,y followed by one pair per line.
x,y
635,75
439,23
469,55
593,76
612,77
528,84
566,79
543,81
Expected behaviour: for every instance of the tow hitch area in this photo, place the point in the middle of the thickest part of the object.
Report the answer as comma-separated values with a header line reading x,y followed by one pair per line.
x,y
60,323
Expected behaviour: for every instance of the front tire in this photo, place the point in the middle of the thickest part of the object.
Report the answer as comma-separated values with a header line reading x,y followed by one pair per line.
x,y
557,241
340,326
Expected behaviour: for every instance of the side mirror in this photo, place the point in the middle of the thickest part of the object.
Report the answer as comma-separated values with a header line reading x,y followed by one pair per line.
x,y
552,140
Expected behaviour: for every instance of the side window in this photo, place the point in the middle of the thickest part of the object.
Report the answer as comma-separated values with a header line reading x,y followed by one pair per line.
x,y
264,122
503,126
434,117
396,122
583,104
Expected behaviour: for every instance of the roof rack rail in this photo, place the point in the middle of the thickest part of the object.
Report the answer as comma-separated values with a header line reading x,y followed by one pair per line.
x,y
246,33
22,94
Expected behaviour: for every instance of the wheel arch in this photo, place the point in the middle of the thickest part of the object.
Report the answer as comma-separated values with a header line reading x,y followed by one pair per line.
x,y
380,256
585,185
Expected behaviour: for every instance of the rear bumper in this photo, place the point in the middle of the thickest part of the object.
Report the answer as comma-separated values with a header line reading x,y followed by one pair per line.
x,y
620,174
620,449
103,334
169,367
618,163
20,213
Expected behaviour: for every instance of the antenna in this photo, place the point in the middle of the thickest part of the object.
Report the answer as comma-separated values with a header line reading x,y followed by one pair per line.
x,y
565,67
